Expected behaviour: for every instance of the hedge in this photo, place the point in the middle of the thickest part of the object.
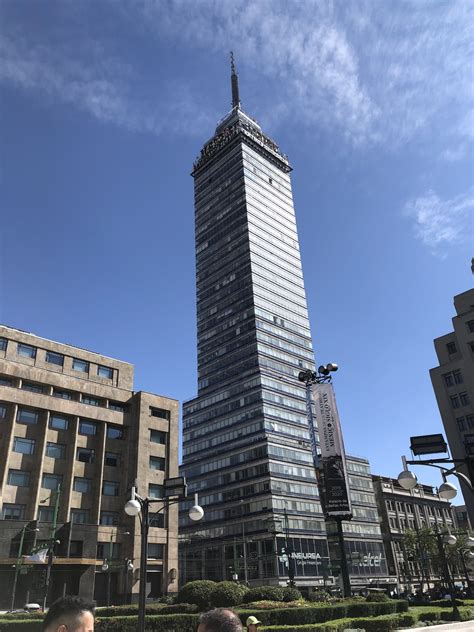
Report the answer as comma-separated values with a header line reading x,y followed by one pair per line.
x,y
161,623
320,614
151,609
227,594
383,623
198,592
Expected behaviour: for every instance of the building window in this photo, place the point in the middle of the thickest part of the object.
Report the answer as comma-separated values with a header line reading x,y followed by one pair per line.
x,y
464,399
469,443
58,423
92,401
157,520
109,517
54,358
79,516
157,463
160,412
33,388
52,481
3,344
108,550
451,348
114,432
112,459
470,421
469,324
23,446
82,485
5,381
155,491
27,351
13,512
75,548
157,436
104,371
460,422
452,378
87,427
18,478
110,488
117,406
455,401
27,416
45,514
55,450
155,551
3,411
85,455
61,394
80,365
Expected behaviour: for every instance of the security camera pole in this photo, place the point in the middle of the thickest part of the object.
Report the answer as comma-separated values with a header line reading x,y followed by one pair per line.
x,y
330,464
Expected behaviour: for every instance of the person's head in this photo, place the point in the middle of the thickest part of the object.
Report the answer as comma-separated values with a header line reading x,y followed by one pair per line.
x,y
252,623
70,614
219,620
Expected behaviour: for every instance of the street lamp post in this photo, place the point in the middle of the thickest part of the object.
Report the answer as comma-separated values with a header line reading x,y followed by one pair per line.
x,y
289,551
441,540
52,545
18,563
323,376
138,505
128,568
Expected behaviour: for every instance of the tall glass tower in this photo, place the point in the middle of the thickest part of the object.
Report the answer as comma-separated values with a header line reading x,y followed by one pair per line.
x,y
245,439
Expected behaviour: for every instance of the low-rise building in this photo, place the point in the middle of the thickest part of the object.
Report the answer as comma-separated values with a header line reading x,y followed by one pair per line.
x,y
74,438
401,509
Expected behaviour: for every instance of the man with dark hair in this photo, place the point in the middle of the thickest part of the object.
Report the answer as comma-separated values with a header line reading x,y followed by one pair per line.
x,y
219,620
70,614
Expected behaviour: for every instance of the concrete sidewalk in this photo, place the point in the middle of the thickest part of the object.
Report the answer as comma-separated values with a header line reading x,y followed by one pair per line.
x,y
463,626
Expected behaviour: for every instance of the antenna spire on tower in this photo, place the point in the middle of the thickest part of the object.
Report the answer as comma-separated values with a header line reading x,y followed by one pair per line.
x,y
234,79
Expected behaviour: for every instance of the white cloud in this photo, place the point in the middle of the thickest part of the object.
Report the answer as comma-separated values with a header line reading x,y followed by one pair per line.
x,y
441,223
375,72
93,83
370,71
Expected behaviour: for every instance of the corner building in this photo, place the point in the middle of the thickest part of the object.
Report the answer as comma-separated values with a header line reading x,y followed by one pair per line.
x,y
453,384
74,437
245,437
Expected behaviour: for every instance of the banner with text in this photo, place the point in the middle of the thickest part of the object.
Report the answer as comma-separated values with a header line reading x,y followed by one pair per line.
x,y
334,481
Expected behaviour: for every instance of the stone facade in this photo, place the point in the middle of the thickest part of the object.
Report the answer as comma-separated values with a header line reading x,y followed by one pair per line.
x,y
74,437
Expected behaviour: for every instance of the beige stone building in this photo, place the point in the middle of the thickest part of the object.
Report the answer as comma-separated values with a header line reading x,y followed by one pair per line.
x,y
453,384
74,438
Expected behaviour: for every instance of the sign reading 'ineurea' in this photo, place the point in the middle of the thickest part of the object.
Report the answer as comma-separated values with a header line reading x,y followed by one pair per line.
x,y
335,490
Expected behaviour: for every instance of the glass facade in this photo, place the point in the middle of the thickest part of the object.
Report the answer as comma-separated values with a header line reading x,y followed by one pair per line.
x,y
245,437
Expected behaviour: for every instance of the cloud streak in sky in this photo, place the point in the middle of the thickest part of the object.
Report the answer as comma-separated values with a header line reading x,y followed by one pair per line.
x,y
439,223
374,73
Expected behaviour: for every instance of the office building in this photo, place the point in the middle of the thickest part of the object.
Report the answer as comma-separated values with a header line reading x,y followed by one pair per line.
x,y
453,384
400,509
74,436
245,437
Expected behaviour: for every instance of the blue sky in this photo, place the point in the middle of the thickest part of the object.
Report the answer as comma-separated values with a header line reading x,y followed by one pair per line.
x,y
106,104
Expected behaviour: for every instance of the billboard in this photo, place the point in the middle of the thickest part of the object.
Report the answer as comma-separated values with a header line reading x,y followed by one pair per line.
x,y
334,487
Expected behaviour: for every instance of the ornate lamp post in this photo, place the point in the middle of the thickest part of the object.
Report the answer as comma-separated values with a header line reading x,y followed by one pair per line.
x,y
140,506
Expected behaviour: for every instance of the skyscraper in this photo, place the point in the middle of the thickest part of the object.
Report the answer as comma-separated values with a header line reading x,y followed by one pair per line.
x,y
245,438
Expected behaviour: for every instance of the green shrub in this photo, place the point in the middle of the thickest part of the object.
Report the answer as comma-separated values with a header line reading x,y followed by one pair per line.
x,y
320,595
264,593
197,592
376,597
445,603
290,593
226,594
22,625
384,623
154,623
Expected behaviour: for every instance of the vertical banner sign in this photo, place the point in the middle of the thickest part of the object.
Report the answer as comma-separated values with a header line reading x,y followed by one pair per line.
x,y
333,459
